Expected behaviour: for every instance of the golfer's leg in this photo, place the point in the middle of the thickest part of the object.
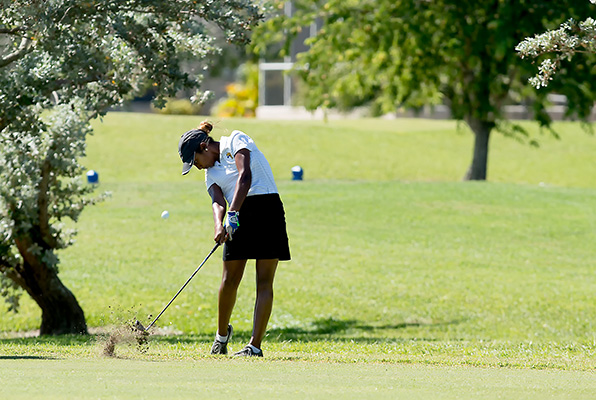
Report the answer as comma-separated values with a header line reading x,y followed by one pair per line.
x,y
232,275
264,302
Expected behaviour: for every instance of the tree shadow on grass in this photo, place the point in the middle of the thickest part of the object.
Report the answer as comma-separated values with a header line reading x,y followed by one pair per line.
x,y
60,340
332,329
325,329
30,341
26,358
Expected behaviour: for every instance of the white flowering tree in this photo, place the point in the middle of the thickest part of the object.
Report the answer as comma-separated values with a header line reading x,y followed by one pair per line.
x,y
63,63
559,45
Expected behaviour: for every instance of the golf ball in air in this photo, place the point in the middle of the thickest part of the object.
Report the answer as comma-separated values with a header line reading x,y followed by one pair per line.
x,y
165,214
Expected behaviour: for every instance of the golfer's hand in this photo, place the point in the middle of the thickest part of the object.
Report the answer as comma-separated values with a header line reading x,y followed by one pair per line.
x,y
220,235
232,223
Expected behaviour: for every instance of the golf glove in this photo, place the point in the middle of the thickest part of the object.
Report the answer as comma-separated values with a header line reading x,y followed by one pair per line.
x,y
232,223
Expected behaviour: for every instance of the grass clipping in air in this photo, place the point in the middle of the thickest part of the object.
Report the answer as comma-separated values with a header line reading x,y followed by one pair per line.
x,y
125,334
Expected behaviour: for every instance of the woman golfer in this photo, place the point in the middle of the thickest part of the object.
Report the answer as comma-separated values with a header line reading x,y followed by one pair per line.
x,y
253,227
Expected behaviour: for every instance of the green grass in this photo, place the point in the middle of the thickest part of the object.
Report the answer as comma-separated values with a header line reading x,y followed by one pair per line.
x,y
137,379
396,265
142,148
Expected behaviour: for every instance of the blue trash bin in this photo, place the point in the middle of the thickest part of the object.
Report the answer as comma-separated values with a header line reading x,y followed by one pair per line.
x,y
92,177
297,173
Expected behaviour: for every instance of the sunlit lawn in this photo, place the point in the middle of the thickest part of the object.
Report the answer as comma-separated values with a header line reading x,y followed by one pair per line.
x,y
394,259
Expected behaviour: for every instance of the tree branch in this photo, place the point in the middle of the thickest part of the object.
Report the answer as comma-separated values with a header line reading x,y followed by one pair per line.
x,y
42,205
50,87
64,16
24,48
12,31
31,270
11,273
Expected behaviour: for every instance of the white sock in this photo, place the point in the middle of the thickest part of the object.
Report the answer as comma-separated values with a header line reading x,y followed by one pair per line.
x,y
254,349
220,338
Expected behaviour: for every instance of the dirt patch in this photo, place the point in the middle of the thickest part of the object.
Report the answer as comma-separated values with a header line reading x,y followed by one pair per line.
x,y
126,335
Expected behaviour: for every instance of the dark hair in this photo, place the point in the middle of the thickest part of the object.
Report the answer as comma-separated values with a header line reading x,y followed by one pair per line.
x,y
206,127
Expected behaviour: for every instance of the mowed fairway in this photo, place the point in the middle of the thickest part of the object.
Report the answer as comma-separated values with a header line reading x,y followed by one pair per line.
x,y
209,379
404,281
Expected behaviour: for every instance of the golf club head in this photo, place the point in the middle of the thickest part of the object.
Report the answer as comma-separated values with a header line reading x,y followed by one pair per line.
x,y
141,333
139,327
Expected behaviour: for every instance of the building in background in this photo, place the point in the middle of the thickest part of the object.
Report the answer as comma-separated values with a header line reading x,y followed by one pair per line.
x,y
277,89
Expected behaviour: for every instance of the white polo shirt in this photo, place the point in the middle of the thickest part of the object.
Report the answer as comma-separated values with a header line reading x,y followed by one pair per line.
x,y
225,174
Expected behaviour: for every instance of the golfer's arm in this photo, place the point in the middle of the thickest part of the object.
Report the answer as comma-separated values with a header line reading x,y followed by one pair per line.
x,y
218,204
242,159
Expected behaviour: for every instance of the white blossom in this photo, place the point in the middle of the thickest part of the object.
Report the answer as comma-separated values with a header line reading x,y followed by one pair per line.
x,y
559,44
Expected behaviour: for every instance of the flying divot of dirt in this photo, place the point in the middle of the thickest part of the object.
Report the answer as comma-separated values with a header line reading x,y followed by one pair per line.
x,y
125,334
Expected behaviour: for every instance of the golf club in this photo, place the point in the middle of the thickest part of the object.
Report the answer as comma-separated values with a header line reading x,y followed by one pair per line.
x,y
139,326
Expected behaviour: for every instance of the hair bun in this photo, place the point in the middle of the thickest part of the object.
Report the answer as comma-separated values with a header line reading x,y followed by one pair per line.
x,y
206,126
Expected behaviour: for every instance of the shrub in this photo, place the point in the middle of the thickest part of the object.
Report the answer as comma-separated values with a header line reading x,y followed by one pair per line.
x,y
243,97
179,107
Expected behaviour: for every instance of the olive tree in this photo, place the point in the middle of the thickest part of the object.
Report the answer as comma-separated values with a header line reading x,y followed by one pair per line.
x,y
392,54
63,63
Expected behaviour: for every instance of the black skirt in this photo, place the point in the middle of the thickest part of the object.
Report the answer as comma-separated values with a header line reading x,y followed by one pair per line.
x,y
262,232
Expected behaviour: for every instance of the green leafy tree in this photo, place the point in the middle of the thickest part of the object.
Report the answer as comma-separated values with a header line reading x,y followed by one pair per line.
x,y
63,63
559,45
410,53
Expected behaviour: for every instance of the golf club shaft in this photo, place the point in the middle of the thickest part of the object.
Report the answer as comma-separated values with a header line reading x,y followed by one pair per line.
x,y
183,286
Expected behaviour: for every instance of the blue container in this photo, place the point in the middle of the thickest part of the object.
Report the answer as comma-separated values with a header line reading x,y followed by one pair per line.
x,y
297,173
92,177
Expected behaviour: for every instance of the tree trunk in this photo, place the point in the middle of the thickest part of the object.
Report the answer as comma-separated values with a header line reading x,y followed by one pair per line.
x,y
60,311
482,130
